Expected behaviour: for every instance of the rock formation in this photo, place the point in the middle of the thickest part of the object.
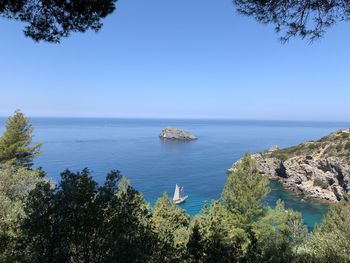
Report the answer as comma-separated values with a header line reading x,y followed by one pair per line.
x,y
170,133
317,170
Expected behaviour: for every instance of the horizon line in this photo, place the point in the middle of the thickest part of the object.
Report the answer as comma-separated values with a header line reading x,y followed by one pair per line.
x,y
183,118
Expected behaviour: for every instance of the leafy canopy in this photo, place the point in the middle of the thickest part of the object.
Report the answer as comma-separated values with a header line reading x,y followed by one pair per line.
x,y
50,20
245,188
15,184
171,224
279,234
330,241
306,19
79,221
223,237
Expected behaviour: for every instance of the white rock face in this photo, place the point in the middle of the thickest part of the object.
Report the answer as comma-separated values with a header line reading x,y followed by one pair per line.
x,y
170,133
315,169
300,174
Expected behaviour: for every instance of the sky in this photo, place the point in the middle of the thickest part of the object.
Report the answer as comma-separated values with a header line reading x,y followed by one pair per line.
x,y
177,59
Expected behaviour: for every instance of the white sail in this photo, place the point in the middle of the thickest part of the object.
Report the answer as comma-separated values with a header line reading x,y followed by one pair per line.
x,y
176,193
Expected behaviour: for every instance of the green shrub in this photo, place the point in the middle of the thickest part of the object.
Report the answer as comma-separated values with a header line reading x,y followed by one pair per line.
x,y
339,147
347,146
286,153
312,146
320,183
345,135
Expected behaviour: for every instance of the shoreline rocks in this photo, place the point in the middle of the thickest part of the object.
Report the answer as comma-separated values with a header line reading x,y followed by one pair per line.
x,y
317,170
170,133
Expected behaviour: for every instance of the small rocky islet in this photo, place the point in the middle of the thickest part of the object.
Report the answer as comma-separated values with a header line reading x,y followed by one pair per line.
x,y
318,170
170,133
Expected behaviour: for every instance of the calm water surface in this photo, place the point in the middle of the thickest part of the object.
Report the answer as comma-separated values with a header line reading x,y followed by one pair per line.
x,y
153,166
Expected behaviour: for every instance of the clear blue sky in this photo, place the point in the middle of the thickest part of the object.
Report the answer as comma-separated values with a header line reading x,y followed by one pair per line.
x,y
183,58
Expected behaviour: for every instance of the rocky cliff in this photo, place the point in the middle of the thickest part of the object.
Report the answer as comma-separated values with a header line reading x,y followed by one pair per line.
x,y
315,169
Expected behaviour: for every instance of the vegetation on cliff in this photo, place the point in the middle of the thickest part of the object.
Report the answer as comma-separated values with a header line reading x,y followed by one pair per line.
x,y
336,144
315,169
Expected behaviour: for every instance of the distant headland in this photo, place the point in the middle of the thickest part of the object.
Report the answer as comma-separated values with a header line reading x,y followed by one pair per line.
x,y
314,169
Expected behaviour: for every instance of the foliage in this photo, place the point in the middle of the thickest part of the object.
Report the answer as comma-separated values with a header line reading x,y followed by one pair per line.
x,y
81,222
15,183
347,146
245,188
339,147
195,244
330,241
223,238
15,141
320,183
127,226
170,223
52,20
279,234
335,144
284,154
306,19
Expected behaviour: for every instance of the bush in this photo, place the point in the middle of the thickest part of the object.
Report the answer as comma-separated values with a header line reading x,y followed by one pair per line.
x,y
345,135
320,183
339,147
312,146
284,154
347,146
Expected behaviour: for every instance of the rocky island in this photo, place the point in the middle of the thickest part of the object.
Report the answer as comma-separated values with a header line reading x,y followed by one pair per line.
x,y
170,133
315,169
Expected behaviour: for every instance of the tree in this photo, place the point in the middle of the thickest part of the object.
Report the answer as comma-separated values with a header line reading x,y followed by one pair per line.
x,y
195,244
15,184
279,234
16,140
330,241
40,239
81,222
245,188
62,223
50,20
127,227
171,224
222,235
306,19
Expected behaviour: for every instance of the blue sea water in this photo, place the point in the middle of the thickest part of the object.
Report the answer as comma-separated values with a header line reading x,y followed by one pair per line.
x,y
154,166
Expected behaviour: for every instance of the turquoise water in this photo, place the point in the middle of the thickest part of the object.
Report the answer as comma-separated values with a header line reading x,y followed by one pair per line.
x,y
154,166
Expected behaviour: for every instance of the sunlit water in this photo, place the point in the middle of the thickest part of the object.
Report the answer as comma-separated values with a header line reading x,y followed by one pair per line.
x,y
154,166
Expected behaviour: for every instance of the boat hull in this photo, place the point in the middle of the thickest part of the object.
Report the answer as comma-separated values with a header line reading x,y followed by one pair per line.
x,y
180,200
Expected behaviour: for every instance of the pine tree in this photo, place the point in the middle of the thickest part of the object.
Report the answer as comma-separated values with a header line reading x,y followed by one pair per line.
x,y
126,228
245,188
15,143
195,248
330,242
222,236
278,234
171,225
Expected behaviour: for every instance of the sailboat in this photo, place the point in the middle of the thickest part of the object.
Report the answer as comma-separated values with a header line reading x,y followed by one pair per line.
x,y
178,195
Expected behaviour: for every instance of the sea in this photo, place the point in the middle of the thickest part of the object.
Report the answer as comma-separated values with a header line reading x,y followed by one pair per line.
x,y
154,166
